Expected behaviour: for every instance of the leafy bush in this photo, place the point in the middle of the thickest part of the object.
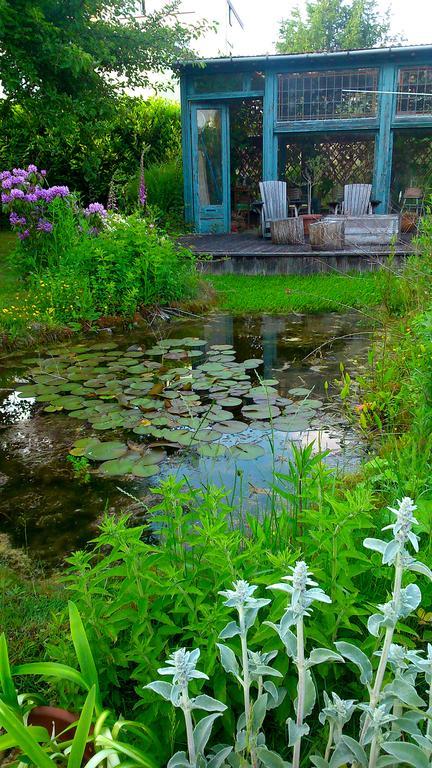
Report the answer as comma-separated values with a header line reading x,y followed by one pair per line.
x,y
392,716
131,264
87,154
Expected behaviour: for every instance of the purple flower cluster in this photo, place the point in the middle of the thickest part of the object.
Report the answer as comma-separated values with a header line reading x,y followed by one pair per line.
x,y
26,199
95,208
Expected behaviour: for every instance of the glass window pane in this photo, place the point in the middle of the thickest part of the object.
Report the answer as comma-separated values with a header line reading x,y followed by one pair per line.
x,y
209,125
327,95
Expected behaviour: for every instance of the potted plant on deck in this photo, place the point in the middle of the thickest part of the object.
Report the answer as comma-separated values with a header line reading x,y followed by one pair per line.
x,y
312,174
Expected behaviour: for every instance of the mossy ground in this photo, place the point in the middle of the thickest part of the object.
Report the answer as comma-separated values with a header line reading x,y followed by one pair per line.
x,y
294,293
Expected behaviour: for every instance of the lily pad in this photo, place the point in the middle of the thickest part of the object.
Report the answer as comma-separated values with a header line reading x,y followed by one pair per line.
x,y
105,451
247,451
213,451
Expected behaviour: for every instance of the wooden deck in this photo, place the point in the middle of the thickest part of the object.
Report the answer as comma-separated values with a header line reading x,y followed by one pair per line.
x,y
248,254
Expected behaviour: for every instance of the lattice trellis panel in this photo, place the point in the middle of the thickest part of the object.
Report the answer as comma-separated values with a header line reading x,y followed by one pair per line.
x,y
246,130
343,161
412,164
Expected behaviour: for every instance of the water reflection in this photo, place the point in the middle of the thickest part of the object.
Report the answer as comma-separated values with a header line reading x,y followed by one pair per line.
x,y
43,507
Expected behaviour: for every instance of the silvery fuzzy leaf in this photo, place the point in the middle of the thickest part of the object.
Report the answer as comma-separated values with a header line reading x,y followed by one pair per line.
x,y
374,624
318,761
319,595
208,704
354,748
179,760
354,654
276,695
424,742
163,689
271,759
175,695
310,695
263,670
228,660
384,761
421,568
377,545
281,587
321,655
251,612
410,600
296,732
231,630
259,709
287,621
390,552
414,540
402,690
217,760
408,723
166,671
202,732
240,743
407,753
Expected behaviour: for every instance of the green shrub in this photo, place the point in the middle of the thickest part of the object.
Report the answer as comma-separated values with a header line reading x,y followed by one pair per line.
x,y
86,154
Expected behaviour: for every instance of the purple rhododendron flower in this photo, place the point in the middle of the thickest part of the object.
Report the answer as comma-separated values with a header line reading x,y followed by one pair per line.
x,y
32,168
95,208
16,220
16,194
5,198
44,226
43,173
5,175
23,235
7,183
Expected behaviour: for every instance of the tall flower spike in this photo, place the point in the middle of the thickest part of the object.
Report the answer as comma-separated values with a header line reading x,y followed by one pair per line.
x,y
301,596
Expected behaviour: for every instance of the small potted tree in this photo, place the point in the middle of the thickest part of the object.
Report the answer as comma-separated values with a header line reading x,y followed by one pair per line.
x,y
312,174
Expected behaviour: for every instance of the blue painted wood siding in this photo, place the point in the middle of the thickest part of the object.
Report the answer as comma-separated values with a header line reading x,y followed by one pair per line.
x,y
382,126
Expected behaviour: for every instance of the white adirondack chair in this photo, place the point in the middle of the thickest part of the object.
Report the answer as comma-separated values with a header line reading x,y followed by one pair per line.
x,y
356,200
275,204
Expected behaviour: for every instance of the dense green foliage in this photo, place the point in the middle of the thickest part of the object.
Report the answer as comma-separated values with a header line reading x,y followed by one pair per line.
x,y
331,25
89,151
296,293
130,266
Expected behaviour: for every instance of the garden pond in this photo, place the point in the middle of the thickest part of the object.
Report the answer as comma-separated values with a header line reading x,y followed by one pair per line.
x,y
215,400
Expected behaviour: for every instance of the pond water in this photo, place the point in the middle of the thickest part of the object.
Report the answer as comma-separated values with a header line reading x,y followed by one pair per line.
x,y
46,510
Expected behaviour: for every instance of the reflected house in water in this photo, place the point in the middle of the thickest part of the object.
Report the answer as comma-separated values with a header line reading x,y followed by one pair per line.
x,y
366,114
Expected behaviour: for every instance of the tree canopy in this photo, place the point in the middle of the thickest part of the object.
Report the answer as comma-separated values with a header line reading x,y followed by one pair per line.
x,y
332,25
84,49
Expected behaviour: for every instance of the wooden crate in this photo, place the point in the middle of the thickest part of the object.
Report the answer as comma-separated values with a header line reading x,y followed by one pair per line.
x,y
327,235
375,229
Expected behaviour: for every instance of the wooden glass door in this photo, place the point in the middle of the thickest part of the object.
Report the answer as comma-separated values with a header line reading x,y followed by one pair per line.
x,y
211,173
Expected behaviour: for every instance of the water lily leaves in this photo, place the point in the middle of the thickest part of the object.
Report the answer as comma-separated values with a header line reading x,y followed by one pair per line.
x,y
299,391
81,446
105,451
246,451
229,402
28,390
230,427
252,363
213,451
70,403
290,424
140,469
264,411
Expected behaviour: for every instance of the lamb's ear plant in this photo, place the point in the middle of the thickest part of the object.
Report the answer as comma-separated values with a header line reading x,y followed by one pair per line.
x,y
250,670
383,717
182,668
302,591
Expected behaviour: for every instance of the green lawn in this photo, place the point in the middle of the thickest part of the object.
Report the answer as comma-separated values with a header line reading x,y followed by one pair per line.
x,y
295,293
8,277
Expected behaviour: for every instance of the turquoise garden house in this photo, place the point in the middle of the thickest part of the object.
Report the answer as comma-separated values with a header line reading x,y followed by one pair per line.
x,y
361,116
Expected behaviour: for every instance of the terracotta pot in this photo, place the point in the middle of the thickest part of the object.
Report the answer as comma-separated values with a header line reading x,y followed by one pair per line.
x,y
55,720
408,222
308,219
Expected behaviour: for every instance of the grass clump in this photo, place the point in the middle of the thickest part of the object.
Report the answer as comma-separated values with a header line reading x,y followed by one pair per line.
x,y
296,293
